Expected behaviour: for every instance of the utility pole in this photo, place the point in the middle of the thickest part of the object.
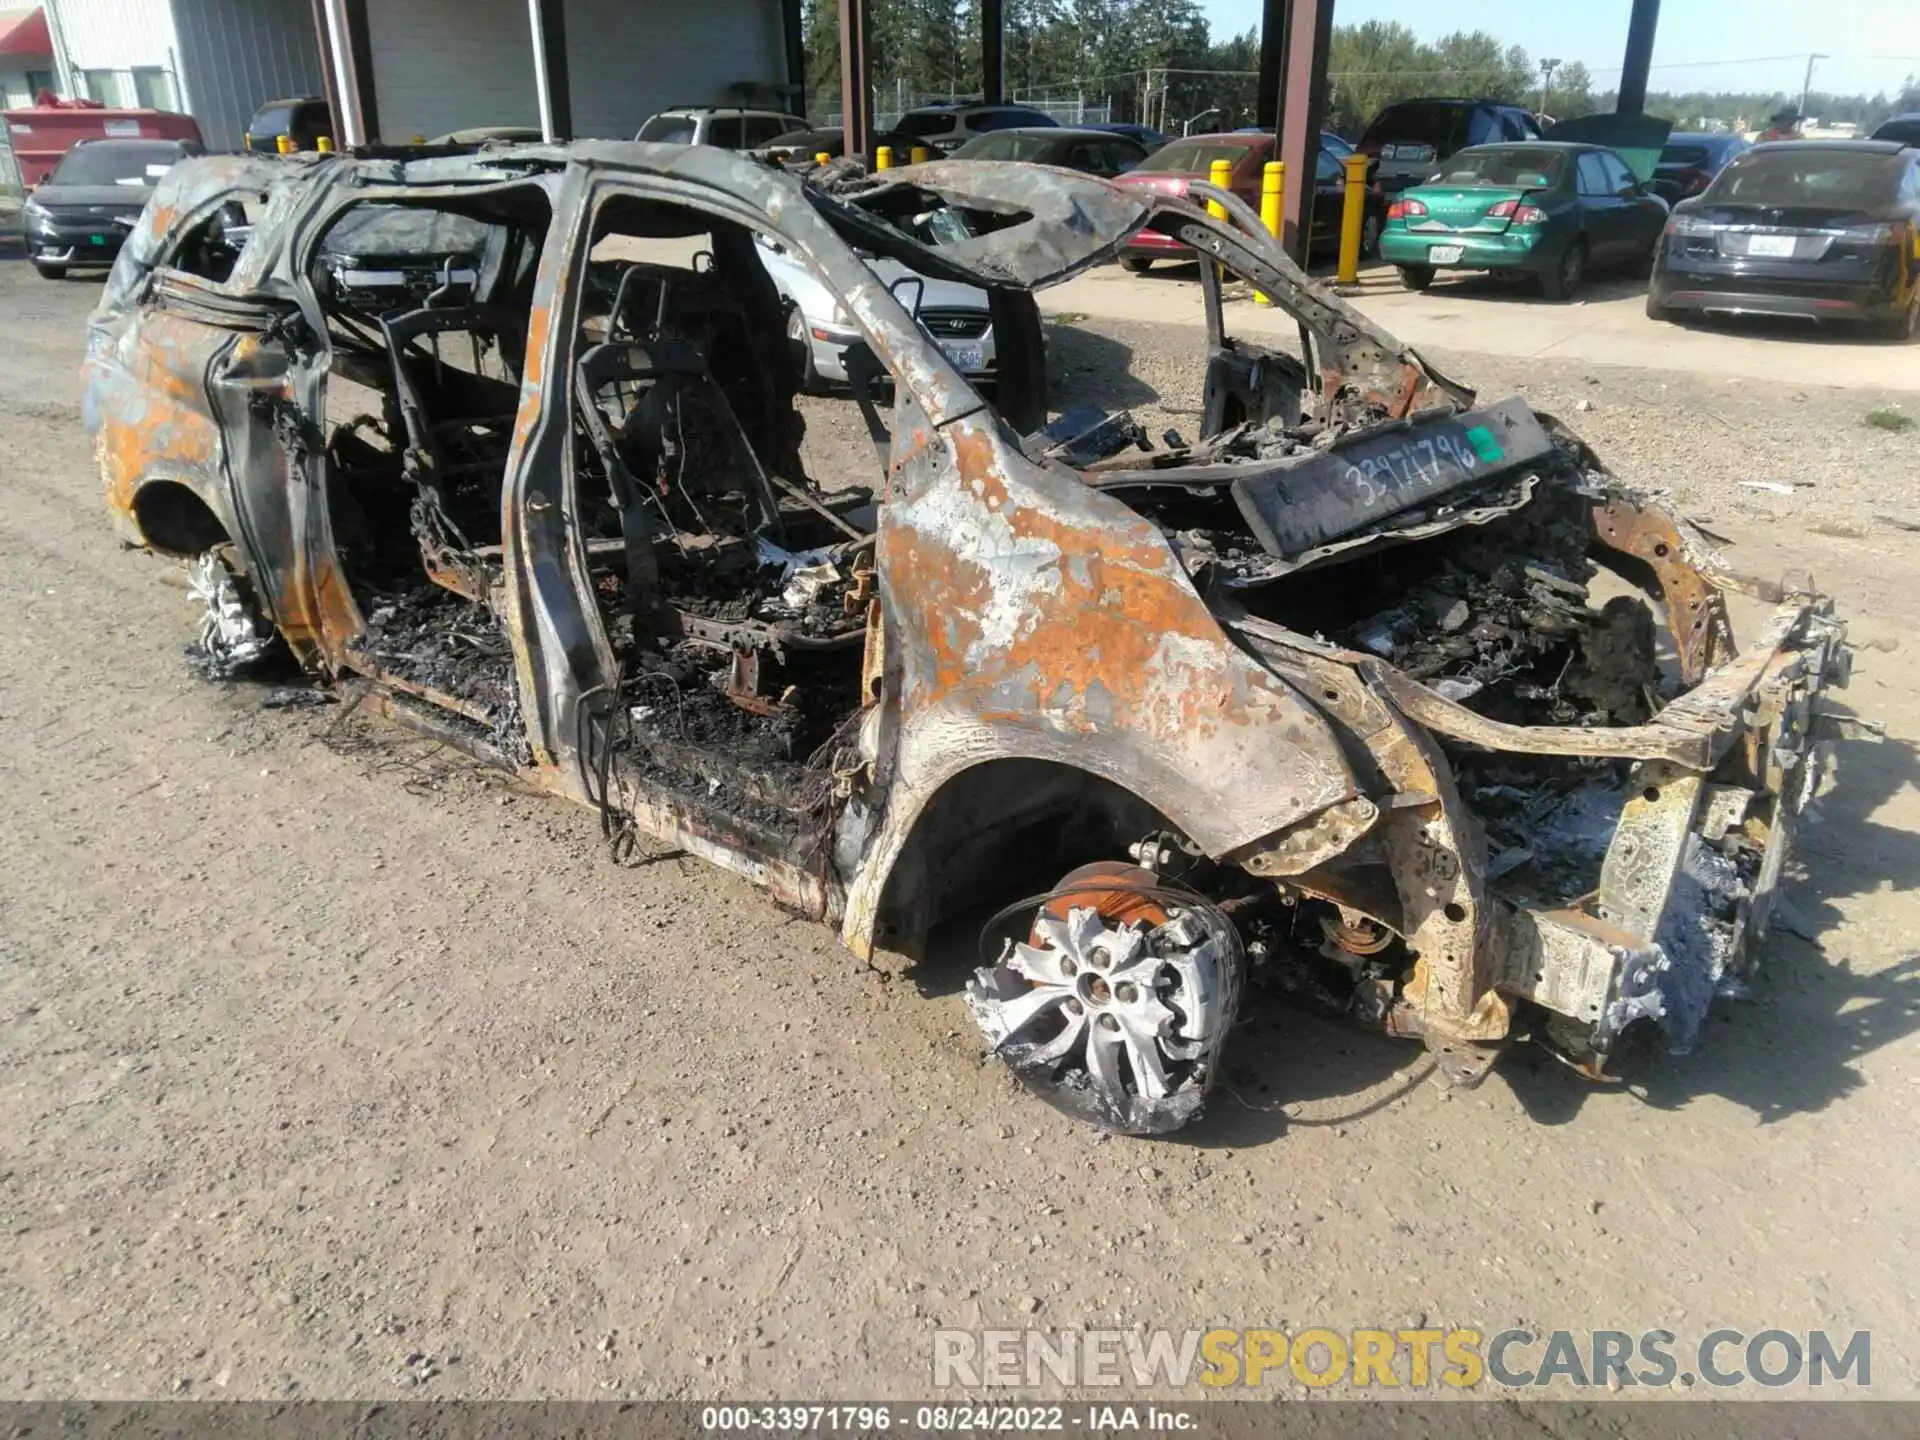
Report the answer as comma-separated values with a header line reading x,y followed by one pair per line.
x,y
1806,85
1547,67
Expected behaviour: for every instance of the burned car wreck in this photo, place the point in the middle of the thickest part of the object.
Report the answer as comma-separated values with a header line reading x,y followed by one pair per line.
x,y
1380,689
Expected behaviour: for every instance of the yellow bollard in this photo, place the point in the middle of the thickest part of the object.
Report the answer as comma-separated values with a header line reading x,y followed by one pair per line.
x,y
920,154
1273,189
324,144
821,157
883,158
1353,218
1221,174
283,144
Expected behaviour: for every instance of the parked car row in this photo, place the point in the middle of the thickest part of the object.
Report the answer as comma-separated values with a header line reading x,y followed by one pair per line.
x,y
1170,171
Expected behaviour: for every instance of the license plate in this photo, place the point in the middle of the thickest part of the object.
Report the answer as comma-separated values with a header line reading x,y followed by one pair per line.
x,y
1296,505
1780,246
96,239
966,358
1446,254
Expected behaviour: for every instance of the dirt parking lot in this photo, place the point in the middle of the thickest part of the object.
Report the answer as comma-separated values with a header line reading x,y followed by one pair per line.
x,y
333,1066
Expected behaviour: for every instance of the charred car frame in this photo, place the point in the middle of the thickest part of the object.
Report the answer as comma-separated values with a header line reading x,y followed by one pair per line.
x,y
1391,693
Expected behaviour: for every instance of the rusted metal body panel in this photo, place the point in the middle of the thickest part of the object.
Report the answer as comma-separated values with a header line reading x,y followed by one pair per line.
x,y
1004,609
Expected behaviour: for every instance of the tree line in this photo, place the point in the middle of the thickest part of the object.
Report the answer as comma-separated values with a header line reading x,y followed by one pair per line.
x,y
1156,61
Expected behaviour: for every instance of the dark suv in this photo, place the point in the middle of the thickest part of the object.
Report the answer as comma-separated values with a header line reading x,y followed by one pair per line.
x,y
1407,140
302,120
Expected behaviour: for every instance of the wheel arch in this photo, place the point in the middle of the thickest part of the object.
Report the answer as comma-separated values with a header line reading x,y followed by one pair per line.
x,y
173,516
995,829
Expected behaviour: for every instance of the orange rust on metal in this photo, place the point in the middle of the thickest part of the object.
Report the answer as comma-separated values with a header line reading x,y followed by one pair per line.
x,y
1437,869
1101,627
1696,611
1112,890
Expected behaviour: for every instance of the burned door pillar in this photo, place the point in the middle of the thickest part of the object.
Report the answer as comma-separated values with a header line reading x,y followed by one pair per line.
x,y
856,76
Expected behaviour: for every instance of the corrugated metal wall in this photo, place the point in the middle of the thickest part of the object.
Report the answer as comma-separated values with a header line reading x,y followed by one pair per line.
x,y
441,65
237,54
116,34
629,58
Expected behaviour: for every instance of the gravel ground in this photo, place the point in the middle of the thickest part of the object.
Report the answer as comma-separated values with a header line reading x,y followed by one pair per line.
x,y
347,1070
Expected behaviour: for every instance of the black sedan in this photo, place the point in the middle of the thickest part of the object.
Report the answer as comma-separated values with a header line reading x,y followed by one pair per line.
x,y
1821,229
1095,152
1689,161
1903,128
82,214
803,147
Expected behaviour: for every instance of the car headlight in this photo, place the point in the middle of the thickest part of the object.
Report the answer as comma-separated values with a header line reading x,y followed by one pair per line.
x,y
36,216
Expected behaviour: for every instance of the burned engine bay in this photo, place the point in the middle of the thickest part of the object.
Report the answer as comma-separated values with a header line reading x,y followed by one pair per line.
x,y
1376,692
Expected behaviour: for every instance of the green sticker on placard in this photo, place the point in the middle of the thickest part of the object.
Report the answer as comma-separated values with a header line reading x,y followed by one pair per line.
x,y
1484,445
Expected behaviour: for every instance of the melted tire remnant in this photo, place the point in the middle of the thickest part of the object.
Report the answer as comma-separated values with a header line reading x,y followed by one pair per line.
x,y
234,635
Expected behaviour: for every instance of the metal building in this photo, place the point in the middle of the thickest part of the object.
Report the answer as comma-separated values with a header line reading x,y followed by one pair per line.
x,y
598,68
217,60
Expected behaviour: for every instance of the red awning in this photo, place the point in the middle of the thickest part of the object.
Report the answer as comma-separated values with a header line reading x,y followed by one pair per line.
x,y
24,32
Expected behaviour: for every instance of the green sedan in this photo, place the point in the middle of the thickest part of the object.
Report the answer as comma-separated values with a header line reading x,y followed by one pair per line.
x,y
1553,211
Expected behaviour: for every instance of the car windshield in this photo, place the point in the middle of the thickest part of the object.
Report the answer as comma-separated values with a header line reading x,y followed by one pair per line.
x,y
1006,145
925,122
1905,130
1192,157
129,163
668,130
1693,156
1505,166
1809,175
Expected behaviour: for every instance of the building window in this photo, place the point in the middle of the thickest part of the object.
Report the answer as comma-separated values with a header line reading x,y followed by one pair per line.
x,y
38,80
153,88
109,87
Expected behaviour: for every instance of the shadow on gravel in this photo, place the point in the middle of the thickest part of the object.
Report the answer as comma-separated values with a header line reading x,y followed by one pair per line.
x,y
1088,369
1524,290
1792,1047
1784,328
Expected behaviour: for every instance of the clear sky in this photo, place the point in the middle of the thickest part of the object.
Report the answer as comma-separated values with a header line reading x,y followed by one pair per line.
x,y
1873,43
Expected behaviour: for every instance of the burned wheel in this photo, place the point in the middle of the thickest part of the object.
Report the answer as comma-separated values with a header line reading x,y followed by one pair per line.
x,y
233,632
1117,1004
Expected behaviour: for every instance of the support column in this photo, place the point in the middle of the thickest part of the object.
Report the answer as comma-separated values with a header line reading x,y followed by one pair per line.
x,y
347,60
856,77
547,22
1633,74
1309,34
793,34
993,51
1273,50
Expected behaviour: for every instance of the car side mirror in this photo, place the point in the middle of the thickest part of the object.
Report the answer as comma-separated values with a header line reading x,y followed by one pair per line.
x,y
1629,191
